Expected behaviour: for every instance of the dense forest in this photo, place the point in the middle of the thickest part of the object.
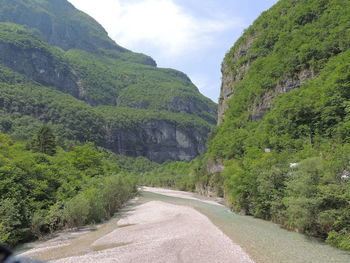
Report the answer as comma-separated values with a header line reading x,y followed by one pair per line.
x,y
47,185
283,136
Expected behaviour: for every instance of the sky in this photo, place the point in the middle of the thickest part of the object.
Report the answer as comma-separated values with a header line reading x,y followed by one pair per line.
x,y
192,36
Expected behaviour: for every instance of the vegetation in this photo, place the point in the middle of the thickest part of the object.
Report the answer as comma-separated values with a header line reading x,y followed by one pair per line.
x,y
44,141
89,95
25,106
176,175
109,81
66,93
303,181
72,28
41,193
307,126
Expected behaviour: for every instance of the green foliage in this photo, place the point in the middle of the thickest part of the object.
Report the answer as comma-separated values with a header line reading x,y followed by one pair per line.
x,y
108,81
44,141
341,240
177,175
85,158
72,27
77,81
122,117
76,211
40,193
280,49
10,224
25,107
185,176
100,200
295,41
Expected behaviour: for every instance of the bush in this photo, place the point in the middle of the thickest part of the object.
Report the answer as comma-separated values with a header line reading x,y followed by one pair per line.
x,y
11,230
76,211
339,239
39,225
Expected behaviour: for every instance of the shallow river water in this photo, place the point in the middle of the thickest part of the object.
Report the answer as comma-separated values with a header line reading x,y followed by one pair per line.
x,y
264,241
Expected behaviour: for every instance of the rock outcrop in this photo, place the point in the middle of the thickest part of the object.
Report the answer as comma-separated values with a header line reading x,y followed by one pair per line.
x,y
158,141
230,78
42,67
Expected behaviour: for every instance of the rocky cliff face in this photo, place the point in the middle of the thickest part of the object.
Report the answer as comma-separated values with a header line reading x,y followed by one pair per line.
x,y
231,77
158,141
288,84
42,67
191,105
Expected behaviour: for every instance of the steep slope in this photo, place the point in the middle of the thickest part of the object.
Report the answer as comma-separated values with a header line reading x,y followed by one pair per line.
x,y
286,47
92,88
281,150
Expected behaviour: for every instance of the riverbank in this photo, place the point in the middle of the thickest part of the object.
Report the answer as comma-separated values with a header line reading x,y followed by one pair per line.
x,y
263,241
149,231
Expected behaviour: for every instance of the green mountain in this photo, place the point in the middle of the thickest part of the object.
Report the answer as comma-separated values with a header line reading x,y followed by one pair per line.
x,y
59,66
283,139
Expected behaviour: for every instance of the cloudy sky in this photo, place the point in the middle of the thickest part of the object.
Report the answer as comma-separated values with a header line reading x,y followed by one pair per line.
x,y
189,35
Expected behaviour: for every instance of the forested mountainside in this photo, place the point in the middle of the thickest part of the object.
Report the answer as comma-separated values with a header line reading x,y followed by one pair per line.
x,y
282,149
58,66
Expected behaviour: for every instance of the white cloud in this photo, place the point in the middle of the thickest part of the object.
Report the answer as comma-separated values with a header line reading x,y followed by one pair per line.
x,y
106,12
160,25
166,26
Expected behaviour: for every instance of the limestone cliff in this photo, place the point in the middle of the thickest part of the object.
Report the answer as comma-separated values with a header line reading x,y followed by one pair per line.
x,y
158,140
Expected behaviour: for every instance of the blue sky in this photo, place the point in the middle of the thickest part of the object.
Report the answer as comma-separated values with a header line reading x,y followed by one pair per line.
x,y
189,35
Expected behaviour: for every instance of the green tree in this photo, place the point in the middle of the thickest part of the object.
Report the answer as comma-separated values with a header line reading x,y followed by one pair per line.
x,y
44,141
86,158
10,224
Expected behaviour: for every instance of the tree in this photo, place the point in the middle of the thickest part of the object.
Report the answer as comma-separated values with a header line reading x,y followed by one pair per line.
x,y
44,141
86,158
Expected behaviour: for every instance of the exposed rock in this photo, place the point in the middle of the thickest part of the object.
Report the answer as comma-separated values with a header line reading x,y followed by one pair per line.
x,y
191,105
286,85
42,67
59,23
158,141
215,166
33,43
230,79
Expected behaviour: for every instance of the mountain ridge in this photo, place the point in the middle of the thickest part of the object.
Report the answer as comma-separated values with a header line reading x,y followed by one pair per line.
x,y
98,72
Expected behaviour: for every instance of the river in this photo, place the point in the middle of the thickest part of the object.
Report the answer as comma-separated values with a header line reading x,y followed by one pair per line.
x,y
263,241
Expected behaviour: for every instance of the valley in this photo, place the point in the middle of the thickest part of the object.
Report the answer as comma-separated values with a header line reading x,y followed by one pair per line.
x,y
261,176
